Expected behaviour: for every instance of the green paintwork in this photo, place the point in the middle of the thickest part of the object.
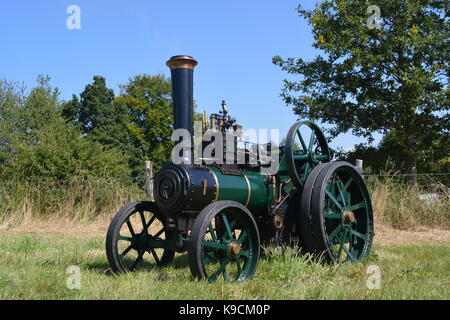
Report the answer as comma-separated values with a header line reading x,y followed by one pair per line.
x,y
344,236
233,187
216,254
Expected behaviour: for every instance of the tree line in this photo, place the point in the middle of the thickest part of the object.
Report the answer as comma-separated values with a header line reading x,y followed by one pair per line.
x,y
95,134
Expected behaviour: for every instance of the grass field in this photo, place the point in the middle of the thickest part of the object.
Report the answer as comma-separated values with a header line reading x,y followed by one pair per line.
x,y
33,265
44,231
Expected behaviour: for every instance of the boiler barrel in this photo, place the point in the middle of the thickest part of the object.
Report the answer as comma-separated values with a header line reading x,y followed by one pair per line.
x,y
191,188
248,189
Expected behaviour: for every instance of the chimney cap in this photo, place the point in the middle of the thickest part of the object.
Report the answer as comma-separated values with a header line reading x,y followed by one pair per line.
x,y
181,61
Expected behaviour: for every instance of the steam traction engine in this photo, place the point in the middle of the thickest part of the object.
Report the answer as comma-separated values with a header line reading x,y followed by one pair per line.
x,y
221,212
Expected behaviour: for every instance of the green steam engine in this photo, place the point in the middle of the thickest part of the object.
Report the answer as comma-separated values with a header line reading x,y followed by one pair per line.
x,y
222,211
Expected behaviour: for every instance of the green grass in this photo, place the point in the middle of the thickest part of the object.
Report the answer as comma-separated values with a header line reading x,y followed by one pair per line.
x,y
33,266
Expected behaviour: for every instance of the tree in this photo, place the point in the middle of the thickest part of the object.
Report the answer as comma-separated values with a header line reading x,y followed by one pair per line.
x,y
150,119
389,155
99,117
376,80
36,143
94,108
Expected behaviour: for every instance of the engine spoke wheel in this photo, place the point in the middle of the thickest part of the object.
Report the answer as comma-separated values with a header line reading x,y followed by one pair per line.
x,y
336,214
131,234
302,157
224,243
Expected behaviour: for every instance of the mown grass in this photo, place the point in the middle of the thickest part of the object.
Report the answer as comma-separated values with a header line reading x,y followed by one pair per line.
x,y
33,266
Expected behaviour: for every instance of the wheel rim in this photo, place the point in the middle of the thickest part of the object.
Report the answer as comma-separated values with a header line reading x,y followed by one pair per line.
x,y
347,216
133,237
230,247
301,158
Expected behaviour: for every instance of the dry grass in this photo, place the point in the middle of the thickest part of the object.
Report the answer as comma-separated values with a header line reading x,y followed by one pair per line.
x,y
400,207
74,202
88,206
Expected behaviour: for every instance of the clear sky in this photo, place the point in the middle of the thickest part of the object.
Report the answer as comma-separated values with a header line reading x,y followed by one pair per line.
x,y
234,42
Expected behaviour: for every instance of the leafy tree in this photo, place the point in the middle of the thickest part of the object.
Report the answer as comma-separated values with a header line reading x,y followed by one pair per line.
x,y
392,79
97,114
37,143
150,119
389,155
94,108
99,117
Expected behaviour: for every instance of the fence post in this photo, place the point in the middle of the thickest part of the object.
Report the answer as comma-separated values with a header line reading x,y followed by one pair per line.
x,y
359,163
359,167
148,179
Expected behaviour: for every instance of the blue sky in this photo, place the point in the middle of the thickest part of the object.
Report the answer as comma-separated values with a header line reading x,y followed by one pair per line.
x,y
234,42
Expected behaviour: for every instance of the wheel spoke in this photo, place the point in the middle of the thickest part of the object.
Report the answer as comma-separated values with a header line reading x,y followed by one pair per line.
x,y
347,184
332,198
302,141
341,241
357,206
340,188
215,245
122,255
150,222
212,232
130,227
221,270
305,172
334,233
124,238
311,141
142,220
349,254
332,215
138,260
244,253
238,265
159,233
227,226
359,235
242,237
300,157
207,258
155,256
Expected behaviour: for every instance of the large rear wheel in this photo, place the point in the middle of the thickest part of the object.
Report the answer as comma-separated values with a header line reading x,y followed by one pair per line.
x,y
336,218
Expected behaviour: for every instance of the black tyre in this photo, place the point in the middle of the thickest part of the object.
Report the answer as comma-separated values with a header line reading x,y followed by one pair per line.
x,y
128,236
336,216
224,241
304,220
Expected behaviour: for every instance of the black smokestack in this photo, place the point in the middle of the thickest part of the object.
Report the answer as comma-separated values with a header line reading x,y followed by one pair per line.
x,y
182,69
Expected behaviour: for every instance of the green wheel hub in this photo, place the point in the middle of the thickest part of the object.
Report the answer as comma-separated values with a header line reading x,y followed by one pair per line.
x,y
224,243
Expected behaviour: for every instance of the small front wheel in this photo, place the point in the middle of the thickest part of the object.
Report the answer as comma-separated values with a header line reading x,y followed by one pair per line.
x,y
137,237
224,242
